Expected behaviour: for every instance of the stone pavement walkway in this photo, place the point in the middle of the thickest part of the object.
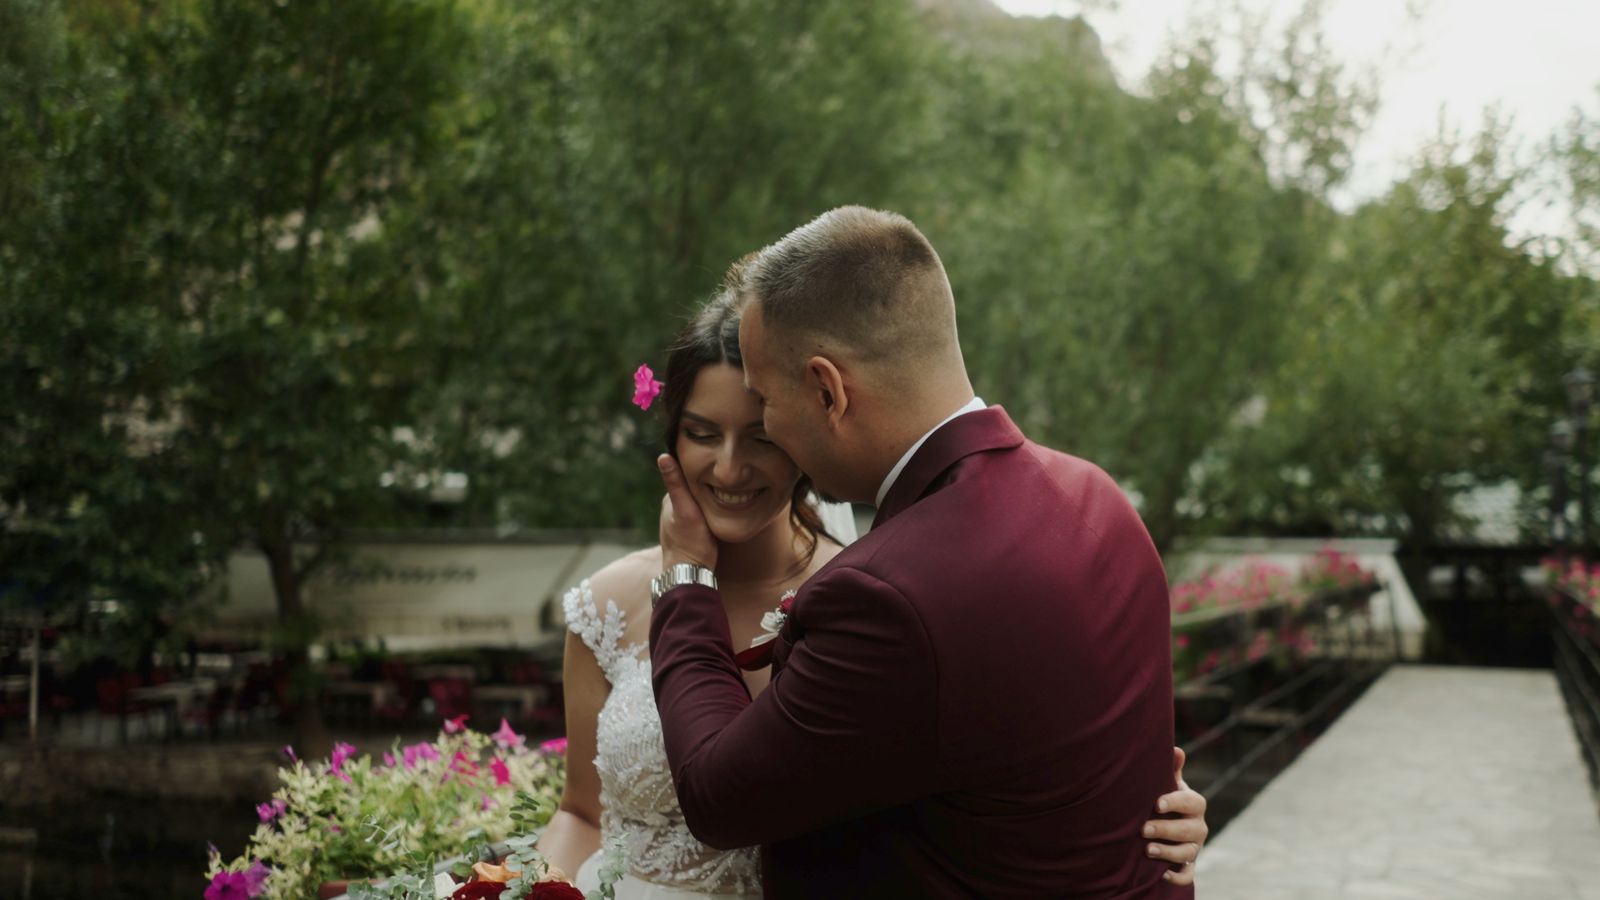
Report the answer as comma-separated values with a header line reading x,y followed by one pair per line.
x,y
1439,783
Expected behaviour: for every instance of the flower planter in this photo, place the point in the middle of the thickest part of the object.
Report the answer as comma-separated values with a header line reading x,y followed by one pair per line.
x,y
331,889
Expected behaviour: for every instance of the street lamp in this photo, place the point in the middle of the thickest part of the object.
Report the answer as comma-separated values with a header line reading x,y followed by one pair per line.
x,y
1580,398
1557,459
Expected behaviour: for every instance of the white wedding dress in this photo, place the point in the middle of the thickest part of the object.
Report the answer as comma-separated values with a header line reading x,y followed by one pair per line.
x,y
637,798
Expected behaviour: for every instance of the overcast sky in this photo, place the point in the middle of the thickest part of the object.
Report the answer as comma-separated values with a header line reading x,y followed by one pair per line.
x,y
1537,59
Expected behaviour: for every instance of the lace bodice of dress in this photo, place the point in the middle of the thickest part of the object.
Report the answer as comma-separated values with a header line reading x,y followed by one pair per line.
x,y
637,797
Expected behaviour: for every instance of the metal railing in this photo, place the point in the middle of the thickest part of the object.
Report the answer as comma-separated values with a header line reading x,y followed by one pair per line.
x,y
1576,635
1235,716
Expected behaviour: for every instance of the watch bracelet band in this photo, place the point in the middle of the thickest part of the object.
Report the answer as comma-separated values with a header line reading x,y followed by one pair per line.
x,y
678,575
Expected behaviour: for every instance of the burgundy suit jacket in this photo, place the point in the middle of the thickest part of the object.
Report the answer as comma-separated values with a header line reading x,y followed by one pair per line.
x,y
973,700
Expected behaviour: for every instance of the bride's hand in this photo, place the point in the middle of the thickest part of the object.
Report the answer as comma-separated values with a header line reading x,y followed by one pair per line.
x,y
1177,841
685,537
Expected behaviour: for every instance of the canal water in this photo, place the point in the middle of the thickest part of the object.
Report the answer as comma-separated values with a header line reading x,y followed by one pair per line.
x,y
118,849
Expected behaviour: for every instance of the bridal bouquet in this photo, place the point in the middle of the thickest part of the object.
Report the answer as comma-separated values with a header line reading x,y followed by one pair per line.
x,y
520,874
426,799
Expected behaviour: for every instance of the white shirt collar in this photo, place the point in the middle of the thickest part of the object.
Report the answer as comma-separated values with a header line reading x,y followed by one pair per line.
x,y
973,405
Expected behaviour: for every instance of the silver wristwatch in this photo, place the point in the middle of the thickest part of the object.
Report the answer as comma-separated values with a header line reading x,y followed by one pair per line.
x,y
678,575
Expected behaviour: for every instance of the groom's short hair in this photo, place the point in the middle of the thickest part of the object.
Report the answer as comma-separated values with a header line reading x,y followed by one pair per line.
x,y
856,281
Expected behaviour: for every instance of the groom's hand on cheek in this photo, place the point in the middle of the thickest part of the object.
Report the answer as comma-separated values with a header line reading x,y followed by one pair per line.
x,y
685,537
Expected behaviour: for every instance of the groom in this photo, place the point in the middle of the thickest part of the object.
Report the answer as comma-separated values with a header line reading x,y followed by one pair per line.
x,y
975,699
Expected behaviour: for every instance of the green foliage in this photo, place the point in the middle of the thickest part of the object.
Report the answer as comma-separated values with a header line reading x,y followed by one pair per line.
x,y
270,270
1577,152
1140,254
1428,360
611,162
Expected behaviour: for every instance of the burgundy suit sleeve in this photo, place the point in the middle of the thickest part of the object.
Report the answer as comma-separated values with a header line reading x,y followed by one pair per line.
x,y
848,726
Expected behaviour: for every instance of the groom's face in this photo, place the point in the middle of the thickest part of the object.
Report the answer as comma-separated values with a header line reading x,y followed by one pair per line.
x,y
784,411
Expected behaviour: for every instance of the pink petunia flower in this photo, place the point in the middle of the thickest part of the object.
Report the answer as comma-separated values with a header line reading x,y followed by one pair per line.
x,y
645,387
557,746
267,812
228,886
460,763
255,878
239,885
416,753
456,725
388,759
502,772
342,752
506,737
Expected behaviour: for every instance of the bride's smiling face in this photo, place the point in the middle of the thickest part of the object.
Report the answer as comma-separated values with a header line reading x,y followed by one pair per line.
x,y
741,480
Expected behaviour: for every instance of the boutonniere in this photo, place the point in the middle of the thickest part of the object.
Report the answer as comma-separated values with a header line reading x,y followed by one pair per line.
x,y
759,654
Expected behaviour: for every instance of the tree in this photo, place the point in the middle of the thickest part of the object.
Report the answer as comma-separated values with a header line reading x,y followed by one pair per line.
x,y
611,163
1427,363
218,257
1127,278
83,437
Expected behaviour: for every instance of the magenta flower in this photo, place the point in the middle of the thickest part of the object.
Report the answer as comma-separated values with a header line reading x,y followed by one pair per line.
x,y
228,886
416,753
342,752
239,885
463,765
388,759
645,387
456,725
288,750
255,878
267,812
502,772
554,745
487,803
507,738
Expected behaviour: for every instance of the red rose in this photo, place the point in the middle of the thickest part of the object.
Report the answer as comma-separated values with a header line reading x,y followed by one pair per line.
x,y
554,890
491,890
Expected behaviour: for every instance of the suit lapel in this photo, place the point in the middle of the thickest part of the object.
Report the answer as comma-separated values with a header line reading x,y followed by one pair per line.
x,y
974,432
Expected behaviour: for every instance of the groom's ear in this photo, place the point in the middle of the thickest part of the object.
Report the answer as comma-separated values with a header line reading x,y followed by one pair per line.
x,y
825,383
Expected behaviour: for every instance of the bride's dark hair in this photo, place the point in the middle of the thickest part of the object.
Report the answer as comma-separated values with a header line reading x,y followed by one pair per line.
x,y
712,338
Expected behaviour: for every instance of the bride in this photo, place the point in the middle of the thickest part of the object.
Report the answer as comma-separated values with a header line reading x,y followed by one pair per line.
x,y
773,535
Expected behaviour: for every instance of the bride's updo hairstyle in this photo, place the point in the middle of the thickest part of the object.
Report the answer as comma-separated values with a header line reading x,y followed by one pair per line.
x,y
712,338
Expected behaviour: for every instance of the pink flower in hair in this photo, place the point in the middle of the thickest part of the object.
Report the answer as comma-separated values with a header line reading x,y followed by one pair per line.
x,y
645,387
